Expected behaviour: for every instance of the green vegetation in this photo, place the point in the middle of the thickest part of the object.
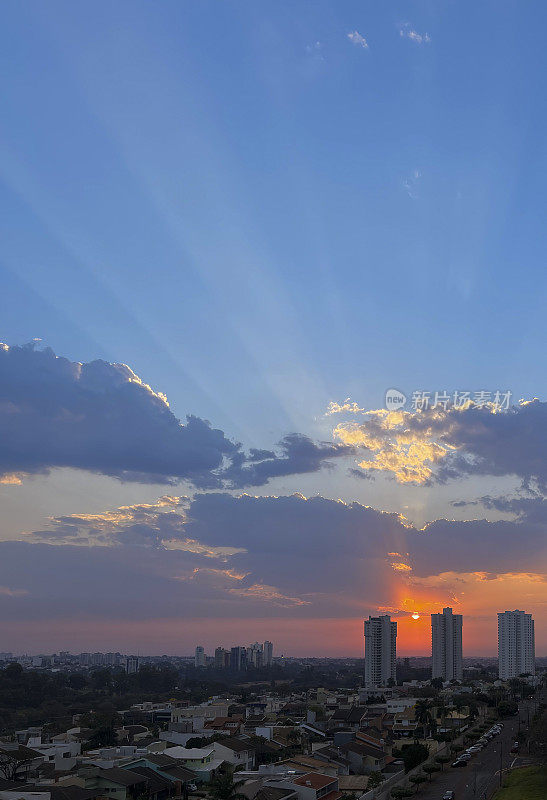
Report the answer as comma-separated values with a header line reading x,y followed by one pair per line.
x,y
528,783
224,787
412,755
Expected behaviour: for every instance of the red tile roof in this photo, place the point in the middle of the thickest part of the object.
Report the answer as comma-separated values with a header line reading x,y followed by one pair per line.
x,y
316,779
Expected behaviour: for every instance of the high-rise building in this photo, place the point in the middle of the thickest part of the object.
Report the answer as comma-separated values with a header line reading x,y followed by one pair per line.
x,y
238,658
516,644
220,658
446,645
131,665
255,655
267,658
380,651
199,657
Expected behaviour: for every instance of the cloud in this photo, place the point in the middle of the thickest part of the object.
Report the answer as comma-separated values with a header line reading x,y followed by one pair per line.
x,y
104,418
438,445
220,555
407,32
348,407
5,591
410,184
356,38
297,454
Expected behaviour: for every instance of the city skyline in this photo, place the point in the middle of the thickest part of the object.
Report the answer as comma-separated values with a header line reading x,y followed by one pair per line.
x,y
271,324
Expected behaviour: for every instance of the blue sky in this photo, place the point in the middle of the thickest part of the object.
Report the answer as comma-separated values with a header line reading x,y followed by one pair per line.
x,y
201,191
262,207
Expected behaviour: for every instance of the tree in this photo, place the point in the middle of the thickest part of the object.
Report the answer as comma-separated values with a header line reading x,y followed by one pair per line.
x,y
401,791
442,760
223,787
412,755
417,779
429,769
12,761
441,709
102,737
506,708
423,715
374,780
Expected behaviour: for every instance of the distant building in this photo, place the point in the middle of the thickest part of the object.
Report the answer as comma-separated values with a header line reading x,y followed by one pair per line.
x,y
380,651
516,644
220,658
267,658
238,658
131,665
200,657
446,645
255,655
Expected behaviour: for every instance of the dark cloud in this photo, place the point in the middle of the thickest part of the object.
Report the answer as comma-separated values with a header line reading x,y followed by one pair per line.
x,y
221,555
530,509
298,454
103,418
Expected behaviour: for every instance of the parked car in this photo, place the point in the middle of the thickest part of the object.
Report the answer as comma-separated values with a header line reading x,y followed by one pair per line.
x,y
450,794
459,763
515,747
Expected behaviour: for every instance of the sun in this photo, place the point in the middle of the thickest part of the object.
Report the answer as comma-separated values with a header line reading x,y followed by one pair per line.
x,y
415,615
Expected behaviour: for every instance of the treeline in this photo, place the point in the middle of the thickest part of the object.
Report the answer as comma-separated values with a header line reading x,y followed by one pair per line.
x,y
33,697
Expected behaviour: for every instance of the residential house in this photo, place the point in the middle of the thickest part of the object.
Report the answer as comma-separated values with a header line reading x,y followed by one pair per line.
x,y
238,752
315,786
17,761
120,784
201,760
332,756
353,785
347,718
230,726
364,757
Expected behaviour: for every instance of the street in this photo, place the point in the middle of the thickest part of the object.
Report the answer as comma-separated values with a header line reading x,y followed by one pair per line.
x,y
481,776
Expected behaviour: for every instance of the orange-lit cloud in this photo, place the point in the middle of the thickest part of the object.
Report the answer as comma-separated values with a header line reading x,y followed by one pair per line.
x,y
409,455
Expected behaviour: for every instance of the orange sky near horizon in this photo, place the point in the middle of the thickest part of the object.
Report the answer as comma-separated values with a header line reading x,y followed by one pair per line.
x,y
293,637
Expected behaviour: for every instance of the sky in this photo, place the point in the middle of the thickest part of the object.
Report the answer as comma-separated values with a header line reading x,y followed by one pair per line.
x,y
228,229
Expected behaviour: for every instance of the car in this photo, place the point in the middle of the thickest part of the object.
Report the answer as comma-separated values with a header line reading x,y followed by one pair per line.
x,y
192,787
450,794
474,749
459,763
515,747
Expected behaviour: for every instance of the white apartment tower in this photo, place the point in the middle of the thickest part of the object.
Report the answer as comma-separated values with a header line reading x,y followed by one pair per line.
x,y
516,644
380,650
200,657
446,645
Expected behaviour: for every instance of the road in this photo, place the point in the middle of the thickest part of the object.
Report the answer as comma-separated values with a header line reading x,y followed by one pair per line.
x,y
481,776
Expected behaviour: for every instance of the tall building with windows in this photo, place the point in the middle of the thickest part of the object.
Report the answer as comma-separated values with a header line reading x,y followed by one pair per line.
x,y
267,655
238,658
380,651
199,657
516,644
446,645
220,658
